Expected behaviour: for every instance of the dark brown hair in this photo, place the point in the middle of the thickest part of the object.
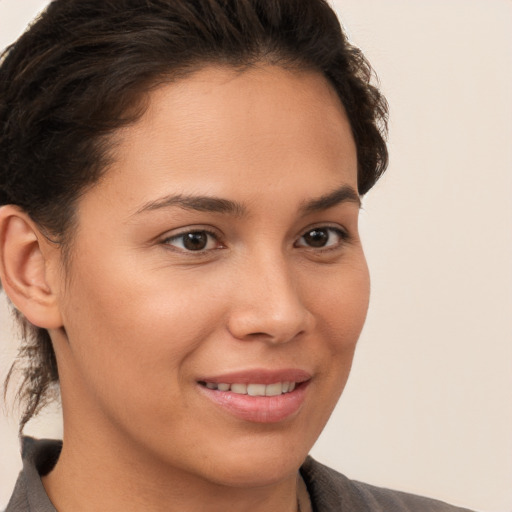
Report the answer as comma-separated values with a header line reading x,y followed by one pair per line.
x,y
83,69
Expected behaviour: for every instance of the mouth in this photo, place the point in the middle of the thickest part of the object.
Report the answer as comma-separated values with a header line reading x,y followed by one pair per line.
x,y
253,389
258,396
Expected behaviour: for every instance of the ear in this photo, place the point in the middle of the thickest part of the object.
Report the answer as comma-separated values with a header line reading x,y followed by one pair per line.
x,y
28,264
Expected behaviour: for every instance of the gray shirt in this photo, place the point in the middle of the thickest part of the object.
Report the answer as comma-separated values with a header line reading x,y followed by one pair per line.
x,y
329,490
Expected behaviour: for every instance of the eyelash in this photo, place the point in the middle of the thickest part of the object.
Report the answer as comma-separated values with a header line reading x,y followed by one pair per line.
x,y
180,236
342,234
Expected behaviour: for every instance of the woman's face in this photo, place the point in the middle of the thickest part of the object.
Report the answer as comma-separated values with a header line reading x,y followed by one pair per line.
x,y
218,256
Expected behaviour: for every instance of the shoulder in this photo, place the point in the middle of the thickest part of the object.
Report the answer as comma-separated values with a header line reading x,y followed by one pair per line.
x,y
331,491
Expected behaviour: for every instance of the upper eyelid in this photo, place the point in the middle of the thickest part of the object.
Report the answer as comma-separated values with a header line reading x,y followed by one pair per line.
x,y
215,233
334,226
183,231
344,235
337,229
167,241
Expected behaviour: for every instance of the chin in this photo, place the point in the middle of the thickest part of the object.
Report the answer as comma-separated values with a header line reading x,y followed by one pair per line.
x,y
262,471
254,464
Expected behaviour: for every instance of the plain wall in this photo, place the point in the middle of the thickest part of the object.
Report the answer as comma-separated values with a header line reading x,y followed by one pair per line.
x,y
428,408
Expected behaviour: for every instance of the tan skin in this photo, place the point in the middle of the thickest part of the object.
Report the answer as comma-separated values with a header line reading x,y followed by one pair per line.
x,y
138,317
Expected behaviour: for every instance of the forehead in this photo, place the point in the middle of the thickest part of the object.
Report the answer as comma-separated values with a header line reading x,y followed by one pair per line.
x,y
220,128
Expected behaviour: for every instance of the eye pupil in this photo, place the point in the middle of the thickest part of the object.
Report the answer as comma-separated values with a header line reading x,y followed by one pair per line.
x,y
195,241
316,237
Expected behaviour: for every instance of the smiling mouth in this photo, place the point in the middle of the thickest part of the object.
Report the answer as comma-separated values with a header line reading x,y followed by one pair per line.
x,y
274,389
260,396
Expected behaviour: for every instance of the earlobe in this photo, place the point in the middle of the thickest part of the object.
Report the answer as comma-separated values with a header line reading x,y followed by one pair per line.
x,y
25,261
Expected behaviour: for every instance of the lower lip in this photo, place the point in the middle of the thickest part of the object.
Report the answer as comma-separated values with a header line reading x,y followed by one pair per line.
x,y
259,409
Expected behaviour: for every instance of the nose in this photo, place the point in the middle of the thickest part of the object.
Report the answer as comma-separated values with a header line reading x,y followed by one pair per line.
x,y
268,303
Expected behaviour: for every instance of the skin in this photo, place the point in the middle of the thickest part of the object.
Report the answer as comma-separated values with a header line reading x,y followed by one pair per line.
x,y
138,318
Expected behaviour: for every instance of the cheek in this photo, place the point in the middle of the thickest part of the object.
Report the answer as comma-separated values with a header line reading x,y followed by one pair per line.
x,y
134,333
341,314
343,306
340,307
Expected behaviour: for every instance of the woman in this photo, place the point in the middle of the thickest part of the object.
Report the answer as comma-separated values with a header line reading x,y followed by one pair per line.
x,y
181,184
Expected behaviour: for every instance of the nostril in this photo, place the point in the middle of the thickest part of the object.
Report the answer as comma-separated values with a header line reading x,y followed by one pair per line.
x,y
265,336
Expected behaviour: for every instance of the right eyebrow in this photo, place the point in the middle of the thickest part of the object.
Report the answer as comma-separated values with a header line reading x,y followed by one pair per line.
x,y
210,204
344,194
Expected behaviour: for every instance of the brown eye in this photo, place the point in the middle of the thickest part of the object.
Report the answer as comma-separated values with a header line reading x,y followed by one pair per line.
x,y
193,241
321,238
316,237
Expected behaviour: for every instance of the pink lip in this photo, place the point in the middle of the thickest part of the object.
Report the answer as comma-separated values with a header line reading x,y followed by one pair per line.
x,y
259,409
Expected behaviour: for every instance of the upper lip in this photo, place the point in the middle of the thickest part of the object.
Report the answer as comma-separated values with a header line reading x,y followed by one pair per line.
x,y
260,376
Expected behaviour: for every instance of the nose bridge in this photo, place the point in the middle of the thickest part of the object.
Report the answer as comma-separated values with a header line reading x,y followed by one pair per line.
x,y
268,302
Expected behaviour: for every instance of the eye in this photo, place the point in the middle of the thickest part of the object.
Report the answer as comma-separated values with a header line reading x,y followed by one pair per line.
x,y
322,237
196,241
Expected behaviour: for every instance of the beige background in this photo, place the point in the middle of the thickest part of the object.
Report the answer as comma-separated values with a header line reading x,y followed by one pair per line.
x,y
428,408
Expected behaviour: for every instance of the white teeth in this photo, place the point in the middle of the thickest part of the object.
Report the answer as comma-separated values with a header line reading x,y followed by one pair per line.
x,y
256,389
241,389
275,389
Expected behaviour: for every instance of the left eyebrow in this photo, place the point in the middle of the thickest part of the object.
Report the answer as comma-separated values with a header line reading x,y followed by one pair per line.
x,y
198,203
345,194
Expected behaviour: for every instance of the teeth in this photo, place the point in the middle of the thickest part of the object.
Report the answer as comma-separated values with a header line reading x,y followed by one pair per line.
x,y
275,389
241,389
256,389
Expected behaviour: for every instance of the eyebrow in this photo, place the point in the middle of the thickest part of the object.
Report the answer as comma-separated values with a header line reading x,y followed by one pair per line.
x,y
212,204
198,203
345,194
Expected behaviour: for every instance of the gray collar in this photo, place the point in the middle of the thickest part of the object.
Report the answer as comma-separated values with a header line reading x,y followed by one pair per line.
x,y
39,458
